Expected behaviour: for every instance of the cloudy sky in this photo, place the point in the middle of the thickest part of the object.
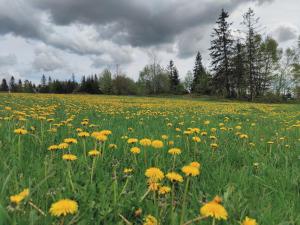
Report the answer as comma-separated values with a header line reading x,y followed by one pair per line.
x,y
61,37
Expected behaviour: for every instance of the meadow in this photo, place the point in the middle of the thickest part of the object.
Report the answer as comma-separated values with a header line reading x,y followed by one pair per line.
x,y
82,159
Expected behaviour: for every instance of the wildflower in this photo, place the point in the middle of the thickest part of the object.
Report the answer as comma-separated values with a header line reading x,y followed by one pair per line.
x,y
190,171
101,137
213,130
127,170
174,177
83,134
214,209
63,207
135,150
243,136
70,141
214,146
196,139
170,143
203,133
164,137
69,157
94,153
112,146
153,186
195,164
145,142
20,131
157,144
150,220
164,190
154,174
63,146
19,197
249,221
53,147
132,140
174,151
206,122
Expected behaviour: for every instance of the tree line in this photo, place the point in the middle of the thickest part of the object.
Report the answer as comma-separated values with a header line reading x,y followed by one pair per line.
x,y
243,65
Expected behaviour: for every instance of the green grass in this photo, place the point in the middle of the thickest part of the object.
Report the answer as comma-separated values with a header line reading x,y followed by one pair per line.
x,y
269,192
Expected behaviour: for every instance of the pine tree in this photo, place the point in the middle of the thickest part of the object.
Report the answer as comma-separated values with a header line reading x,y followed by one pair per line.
x,y
173,77
221,52
199,84
252,47
4,86
12,84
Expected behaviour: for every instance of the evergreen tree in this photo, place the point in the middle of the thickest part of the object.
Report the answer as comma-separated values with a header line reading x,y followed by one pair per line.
x,y
105,82
20,86
4,86
12,84
252,53
173,77
221,52
200,78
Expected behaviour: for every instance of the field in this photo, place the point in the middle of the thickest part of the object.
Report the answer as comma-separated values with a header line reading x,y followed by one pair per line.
x,y
112,157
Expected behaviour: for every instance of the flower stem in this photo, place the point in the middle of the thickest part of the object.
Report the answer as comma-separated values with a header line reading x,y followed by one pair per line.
x,y
184,200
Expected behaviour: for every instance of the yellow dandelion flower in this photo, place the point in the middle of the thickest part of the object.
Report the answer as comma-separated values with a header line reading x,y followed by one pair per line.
x,y
70,141
63,146
20,131
132,140
19,197
150,220
69,157
157,144
83,134
174,177
63,207
190,171
94,153
195,164
164,190
145,142
249,221
154,174
174,151
53,147
196,139
215,210
135,150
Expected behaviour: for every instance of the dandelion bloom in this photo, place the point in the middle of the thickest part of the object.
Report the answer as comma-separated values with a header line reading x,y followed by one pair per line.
x,y
20,131
127,170
203,133
195,164
94,152
165,137
174,177
249,221
170,143
214,146
135,150
150,220
53,147
190,171
214,209
83,134
174,151
70,141
157,144
63,146
101,137
153,186
164,190
154,174
132,140
69,157
19,197
145,142
196,139
112,146
63,207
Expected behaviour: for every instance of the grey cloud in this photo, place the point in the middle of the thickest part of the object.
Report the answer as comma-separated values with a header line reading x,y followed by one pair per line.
x,y
136,22
8,60
47,60
285,32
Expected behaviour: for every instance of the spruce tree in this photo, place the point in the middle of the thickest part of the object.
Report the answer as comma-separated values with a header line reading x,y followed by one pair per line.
x,y
173,77
221,52
199,76
4,86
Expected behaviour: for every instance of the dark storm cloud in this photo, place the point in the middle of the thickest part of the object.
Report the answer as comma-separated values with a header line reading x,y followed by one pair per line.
x,y
136,22
133,23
